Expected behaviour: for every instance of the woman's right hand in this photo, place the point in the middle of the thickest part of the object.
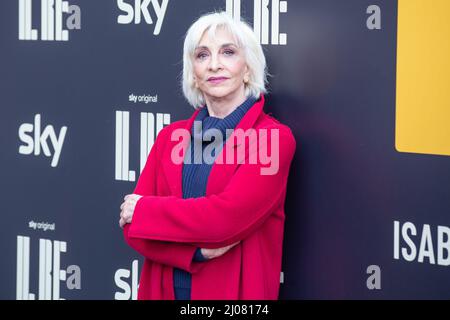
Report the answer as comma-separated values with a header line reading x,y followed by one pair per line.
x,y
215,253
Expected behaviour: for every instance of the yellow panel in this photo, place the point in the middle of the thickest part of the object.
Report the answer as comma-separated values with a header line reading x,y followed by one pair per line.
x,y
423,77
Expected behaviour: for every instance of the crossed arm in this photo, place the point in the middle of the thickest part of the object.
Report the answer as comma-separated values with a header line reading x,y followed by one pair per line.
x,y
217,221
182,256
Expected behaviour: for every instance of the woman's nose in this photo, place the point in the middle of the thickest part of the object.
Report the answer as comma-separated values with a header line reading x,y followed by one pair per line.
x,y
214,63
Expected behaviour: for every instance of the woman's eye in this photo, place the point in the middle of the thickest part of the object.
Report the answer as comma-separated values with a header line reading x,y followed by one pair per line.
x,y
228,52
202,55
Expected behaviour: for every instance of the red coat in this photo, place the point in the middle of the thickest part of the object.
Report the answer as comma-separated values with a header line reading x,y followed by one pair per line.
x,y
240,204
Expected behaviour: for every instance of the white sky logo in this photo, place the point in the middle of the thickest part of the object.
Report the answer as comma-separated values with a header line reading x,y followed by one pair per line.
x,y
129,289
41,139
51,20
261,13
50,273
141,7
150,127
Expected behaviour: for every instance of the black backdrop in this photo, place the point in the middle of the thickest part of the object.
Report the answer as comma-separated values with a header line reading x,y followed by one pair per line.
x,y
333,83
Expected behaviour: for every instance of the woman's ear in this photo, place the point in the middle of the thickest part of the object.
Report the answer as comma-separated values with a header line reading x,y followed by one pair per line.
x,y
246,75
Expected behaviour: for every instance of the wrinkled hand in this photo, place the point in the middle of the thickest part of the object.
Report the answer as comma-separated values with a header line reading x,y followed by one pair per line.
x,y
215,253
127,208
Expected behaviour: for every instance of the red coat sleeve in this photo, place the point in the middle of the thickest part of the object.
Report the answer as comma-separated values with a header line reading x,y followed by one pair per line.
x,y
169,253
219,219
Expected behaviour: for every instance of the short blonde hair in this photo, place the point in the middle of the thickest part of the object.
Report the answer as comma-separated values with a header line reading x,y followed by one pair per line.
x,y
245,38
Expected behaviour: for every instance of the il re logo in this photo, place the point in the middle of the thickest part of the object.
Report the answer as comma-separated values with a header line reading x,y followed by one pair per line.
x,y
150,127
261,13
50,272
51,20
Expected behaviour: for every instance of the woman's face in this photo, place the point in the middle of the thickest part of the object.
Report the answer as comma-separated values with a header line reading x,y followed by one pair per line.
x,y
220,67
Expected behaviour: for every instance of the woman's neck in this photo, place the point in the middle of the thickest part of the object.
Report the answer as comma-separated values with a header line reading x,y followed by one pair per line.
x,y
222,107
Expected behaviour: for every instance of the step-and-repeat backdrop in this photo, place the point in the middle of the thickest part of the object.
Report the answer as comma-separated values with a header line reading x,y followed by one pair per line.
x,y
85,87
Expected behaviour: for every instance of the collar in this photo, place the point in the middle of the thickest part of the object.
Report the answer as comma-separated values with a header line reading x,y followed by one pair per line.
x,y
203,122
247,121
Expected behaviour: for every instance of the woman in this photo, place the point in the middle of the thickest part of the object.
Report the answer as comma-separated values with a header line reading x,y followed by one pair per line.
x,y
214,229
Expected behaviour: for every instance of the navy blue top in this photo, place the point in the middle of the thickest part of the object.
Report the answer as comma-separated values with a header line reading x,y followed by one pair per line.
x,y
196,170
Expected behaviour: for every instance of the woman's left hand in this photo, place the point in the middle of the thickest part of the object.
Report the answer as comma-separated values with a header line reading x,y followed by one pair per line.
x,y
127,208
